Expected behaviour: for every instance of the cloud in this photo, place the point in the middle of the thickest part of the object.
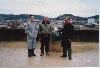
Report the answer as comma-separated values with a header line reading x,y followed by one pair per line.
x,y
51,8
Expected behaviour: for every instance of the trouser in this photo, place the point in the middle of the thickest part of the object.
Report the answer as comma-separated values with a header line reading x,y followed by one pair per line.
x,y
67,51
31,44
67,48
45,40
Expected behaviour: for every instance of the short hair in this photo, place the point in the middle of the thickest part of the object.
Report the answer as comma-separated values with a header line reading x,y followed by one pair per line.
x,y
46,17
30,16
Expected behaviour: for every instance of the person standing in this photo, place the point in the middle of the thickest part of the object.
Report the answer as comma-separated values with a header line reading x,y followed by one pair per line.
x,y
67,33
45,31
32,31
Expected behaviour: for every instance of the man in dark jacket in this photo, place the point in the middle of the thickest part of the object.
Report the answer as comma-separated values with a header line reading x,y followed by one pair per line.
x,y
67,33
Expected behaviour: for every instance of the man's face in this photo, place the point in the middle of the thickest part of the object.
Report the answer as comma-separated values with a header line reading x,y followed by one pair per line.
x,y
46,19
32,18
68,21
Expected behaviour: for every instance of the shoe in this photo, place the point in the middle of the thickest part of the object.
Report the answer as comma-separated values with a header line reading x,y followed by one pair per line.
x,y
29,53
41,54
48,54
70,58
64,56
32,52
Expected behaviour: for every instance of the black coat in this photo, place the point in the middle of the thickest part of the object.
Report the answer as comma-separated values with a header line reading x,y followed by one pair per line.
x,y
67,33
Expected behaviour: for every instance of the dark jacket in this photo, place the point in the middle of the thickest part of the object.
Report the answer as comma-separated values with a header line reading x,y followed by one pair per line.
x,y
67,31
45,29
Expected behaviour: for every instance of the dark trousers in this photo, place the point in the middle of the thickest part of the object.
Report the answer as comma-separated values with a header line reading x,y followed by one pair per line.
x,y
45,40
67,51
67,48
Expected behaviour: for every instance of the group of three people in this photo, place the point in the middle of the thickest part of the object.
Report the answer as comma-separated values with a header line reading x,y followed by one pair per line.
x,y
45,31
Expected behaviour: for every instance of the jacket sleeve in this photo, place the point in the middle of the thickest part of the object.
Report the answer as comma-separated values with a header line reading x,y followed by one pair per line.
x,y
71,32
51,28
37,28
28,30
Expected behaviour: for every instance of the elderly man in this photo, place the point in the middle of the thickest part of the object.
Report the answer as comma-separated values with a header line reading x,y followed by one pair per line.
x,y
32,31
45,31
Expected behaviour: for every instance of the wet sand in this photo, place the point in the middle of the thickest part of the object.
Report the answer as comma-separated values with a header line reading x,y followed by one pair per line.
x,y
14,55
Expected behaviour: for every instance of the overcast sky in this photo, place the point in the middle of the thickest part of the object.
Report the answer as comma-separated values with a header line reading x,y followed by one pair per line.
x,y
51,8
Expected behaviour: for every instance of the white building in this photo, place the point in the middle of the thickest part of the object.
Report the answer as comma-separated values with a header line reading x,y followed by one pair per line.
x,y
91,21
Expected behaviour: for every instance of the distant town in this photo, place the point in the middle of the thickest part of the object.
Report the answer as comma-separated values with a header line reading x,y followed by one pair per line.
x,y
10,21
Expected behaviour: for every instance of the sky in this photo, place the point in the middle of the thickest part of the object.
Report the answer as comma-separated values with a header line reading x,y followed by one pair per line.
x,y
50,8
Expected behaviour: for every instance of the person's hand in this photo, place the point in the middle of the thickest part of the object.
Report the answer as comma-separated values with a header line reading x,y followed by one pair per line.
x,y
69,40
39,39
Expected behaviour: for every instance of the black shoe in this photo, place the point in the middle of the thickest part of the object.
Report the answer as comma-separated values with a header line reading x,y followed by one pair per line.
x,y
29,53
42,54
48,54
33,54
64,56
70,58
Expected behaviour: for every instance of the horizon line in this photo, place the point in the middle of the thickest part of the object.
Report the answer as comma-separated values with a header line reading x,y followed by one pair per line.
x,y
45,15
